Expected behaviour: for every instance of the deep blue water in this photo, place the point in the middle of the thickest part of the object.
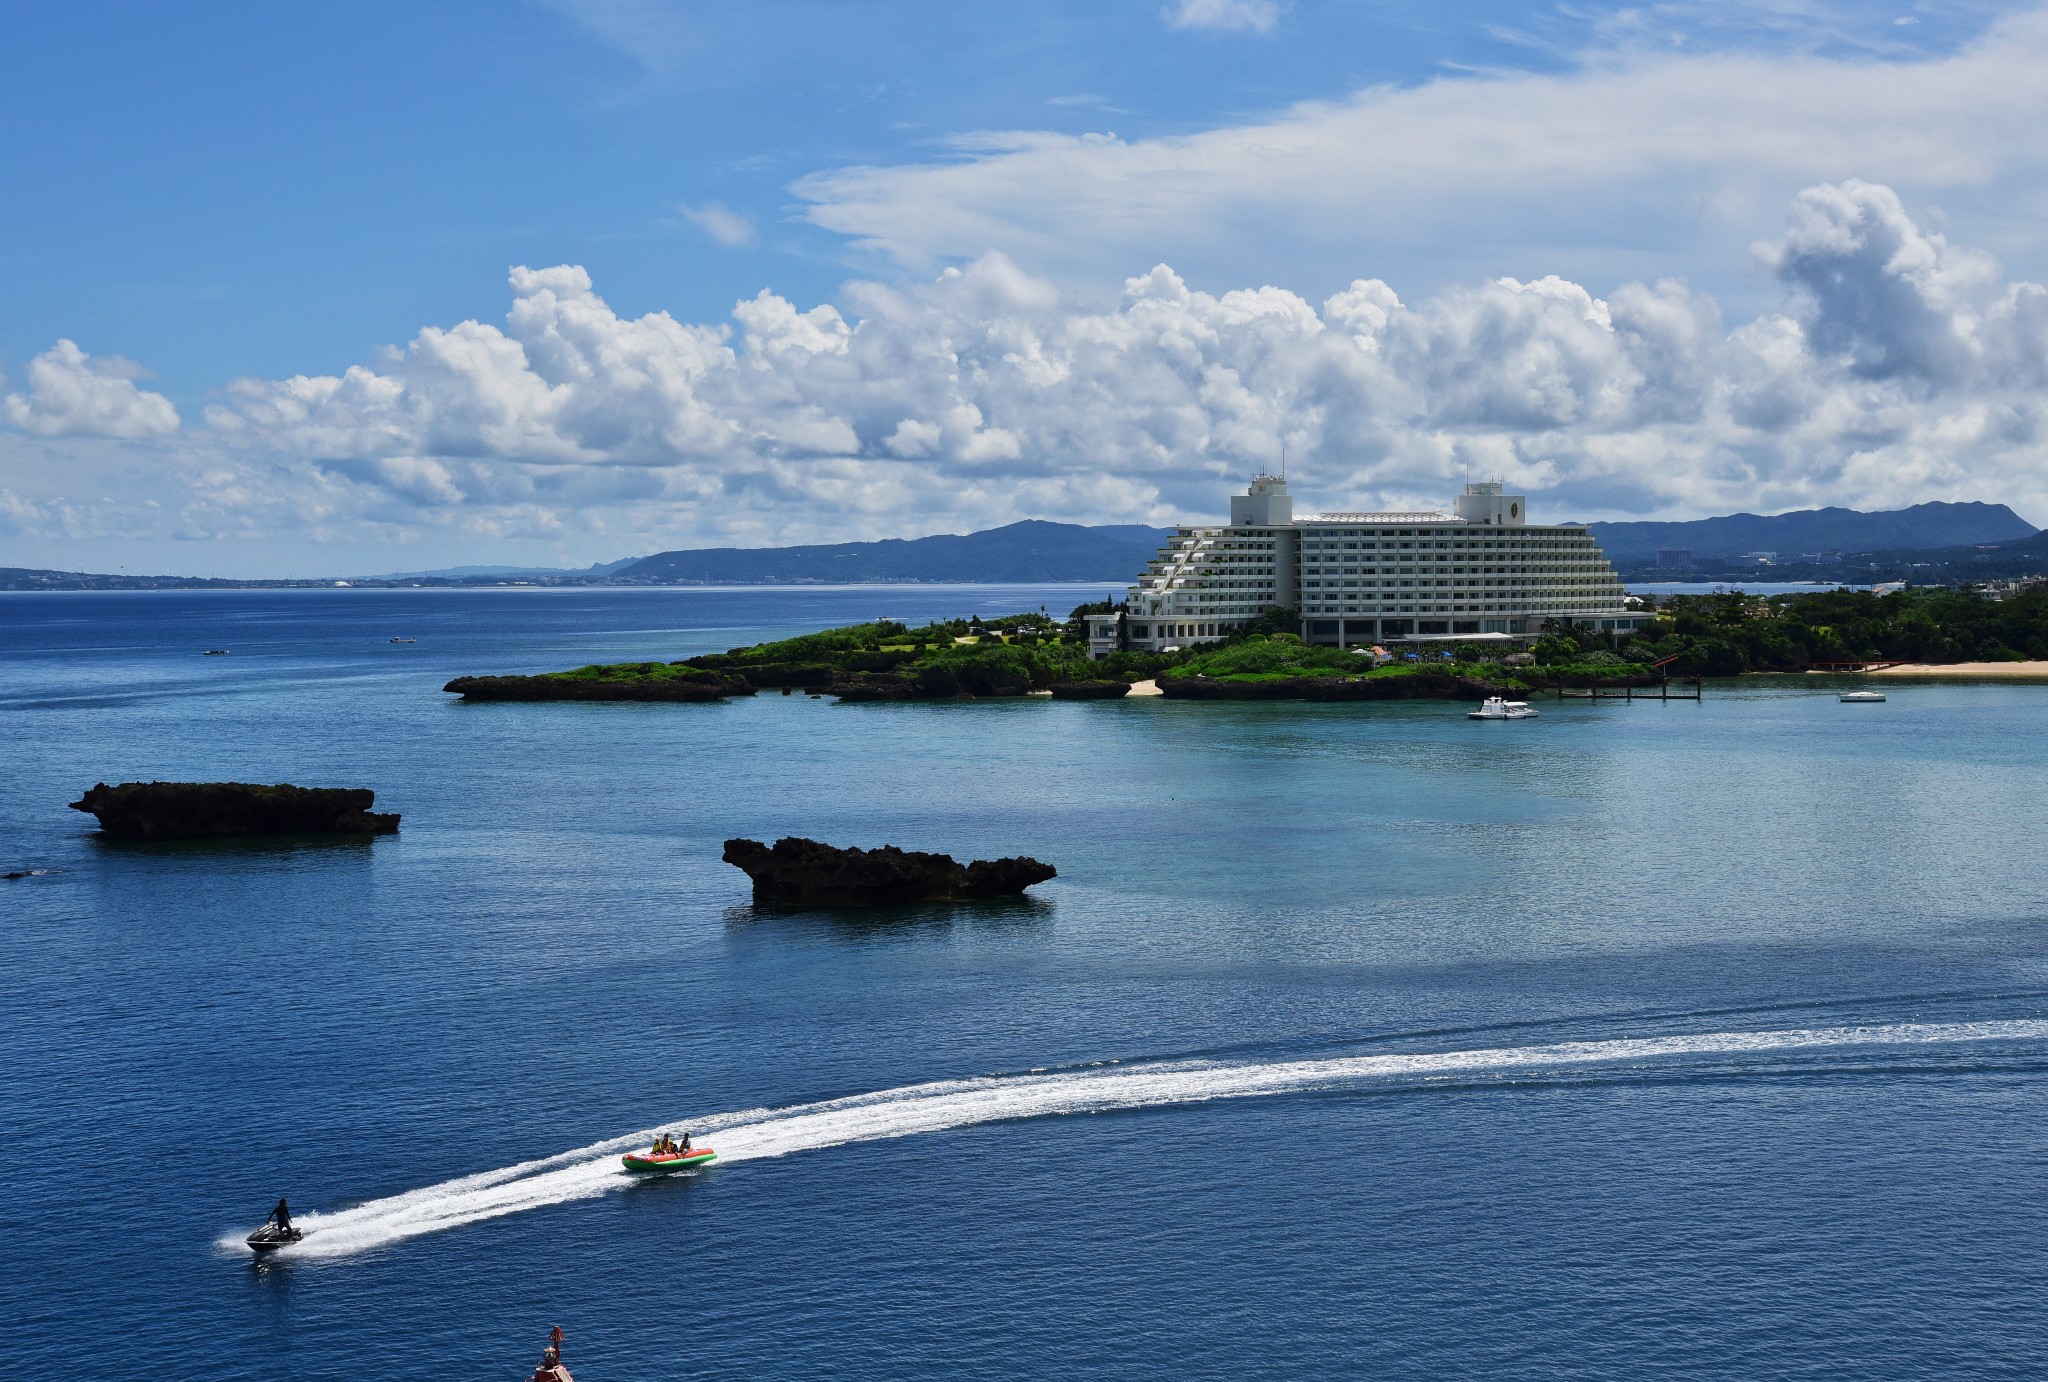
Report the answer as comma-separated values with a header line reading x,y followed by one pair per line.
x,y
1701,1040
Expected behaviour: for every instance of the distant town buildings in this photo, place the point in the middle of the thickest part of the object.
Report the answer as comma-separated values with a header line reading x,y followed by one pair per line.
x,y
1674,558
2006,590
1482,572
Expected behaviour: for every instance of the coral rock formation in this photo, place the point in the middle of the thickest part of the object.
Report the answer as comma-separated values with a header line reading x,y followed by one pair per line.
x,y
204,810
798,873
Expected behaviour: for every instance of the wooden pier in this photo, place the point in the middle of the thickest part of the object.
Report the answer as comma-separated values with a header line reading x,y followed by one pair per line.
x,y
1661,692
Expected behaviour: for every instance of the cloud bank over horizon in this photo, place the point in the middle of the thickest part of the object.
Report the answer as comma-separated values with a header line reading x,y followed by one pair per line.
x,y
1899,367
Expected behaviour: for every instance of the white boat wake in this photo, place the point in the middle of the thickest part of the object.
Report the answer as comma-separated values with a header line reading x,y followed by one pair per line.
x,y
594,1170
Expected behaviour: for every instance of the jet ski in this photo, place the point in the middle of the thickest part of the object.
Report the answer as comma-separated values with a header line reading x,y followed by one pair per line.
x,y
270,1237
656,1163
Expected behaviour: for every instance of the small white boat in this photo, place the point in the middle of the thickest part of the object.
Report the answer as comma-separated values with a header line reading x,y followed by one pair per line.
x,y
1862,697
1496,708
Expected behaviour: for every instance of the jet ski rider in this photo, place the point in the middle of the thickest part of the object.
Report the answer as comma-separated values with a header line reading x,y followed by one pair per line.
x,y
283,1216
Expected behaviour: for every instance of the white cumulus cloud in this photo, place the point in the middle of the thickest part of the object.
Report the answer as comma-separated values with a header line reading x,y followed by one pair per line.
x,y
1900,367
73,394
1256,16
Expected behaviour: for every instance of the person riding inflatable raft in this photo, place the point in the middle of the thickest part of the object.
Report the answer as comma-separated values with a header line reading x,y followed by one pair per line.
x,y
668,1154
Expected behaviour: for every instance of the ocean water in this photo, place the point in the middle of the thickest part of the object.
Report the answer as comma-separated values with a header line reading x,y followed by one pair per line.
x,y
1352,1040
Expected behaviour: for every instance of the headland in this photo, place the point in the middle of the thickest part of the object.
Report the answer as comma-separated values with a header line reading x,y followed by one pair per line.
x,y
1906,633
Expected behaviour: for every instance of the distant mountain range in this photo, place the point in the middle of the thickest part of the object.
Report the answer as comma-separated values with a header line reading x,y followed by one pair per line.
x,y
1021,553
1791,535
461,573
1931,542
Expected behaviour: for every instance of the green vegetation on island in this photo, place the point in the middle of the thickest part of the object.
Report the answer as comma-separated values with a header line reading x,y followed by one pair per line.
x,y
1270,661
1722,635
617,681
1691,636
1006,656
884,660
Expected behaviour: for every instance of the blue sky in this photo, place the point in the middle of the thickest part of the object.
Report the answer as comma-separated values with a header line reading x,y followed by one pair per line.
x,y
235,192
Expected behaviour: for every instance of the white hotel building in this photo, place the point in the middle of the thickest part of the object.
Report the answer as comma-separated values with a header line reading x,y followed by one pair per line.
x,y
1483,572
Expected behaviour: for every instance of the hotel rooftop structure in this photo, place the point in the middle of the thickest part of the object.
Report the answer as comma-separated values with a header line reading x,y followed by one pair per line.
x,y
1483,572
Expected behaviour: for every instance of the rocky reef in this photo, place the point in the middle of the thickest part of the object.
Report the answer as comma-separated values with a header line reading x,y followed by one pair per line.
x,y
625,681
208,810
797,872
1089,690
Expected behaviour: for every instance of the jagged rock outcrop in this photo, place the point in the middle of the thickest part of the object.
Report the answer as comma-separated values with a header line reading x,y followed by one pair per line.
x,y
874,689
797,872
1217,689
560,688
206,810
934,684
789,674
1089,690
950,682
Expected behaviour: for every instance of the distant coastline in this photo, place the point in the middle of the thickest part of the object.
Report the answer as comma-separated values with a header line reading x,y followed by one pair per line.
x,y
1929,544
86,583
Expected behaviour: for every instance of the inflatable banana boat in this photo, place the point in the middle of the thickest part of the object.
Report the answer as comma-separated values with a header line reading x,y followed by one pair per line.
x,y
655,1163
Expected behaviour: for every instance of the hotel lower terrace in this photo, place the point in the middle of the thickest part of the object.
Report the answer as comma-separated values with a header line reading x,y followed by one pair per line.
x,y
1483,572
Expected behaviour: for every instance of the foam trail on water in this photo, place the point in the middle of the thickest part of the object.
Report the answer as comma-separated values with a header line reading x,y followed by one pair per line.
x,y
594,1170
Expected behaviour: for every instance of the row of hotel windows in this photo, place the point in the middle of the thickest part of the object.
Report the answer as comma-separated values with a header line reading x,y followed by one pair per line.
x,y
1536,539
1366,604
1402,628
1108,630
1387,628
1459,546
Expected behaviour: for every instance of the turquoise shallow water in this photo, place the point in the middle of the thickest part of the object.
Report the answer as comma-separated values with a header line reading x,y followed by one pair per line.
x,y
1697,1039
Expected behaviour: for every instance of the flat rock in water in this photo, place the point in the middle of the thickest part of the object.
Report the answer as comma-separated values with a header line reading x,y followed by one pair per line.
x,y
797,872
555,688
209,810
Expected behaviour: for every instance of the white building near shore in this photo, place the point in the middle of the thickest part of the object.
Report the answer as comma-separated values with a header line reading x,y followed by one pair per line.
x,y
1481,573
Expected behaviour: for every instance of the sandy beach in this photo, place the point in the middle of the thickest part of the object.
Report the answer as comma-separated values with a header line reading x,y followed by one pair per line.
x,y
1969,671
1151,688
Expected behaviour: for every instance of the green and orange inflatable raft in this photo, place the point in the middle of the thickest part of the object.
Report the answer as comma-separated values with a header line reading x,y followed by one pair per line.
x,y
659,1163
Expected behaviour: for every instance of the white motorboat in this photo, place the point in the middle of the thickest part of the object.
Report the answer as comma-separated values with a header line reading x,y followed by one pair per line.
x,y
1498,708
1862,697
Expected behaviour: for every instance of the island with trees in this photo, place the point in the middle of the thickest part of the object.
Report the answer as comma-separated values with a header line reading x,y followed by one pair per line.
x,y
1692,636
